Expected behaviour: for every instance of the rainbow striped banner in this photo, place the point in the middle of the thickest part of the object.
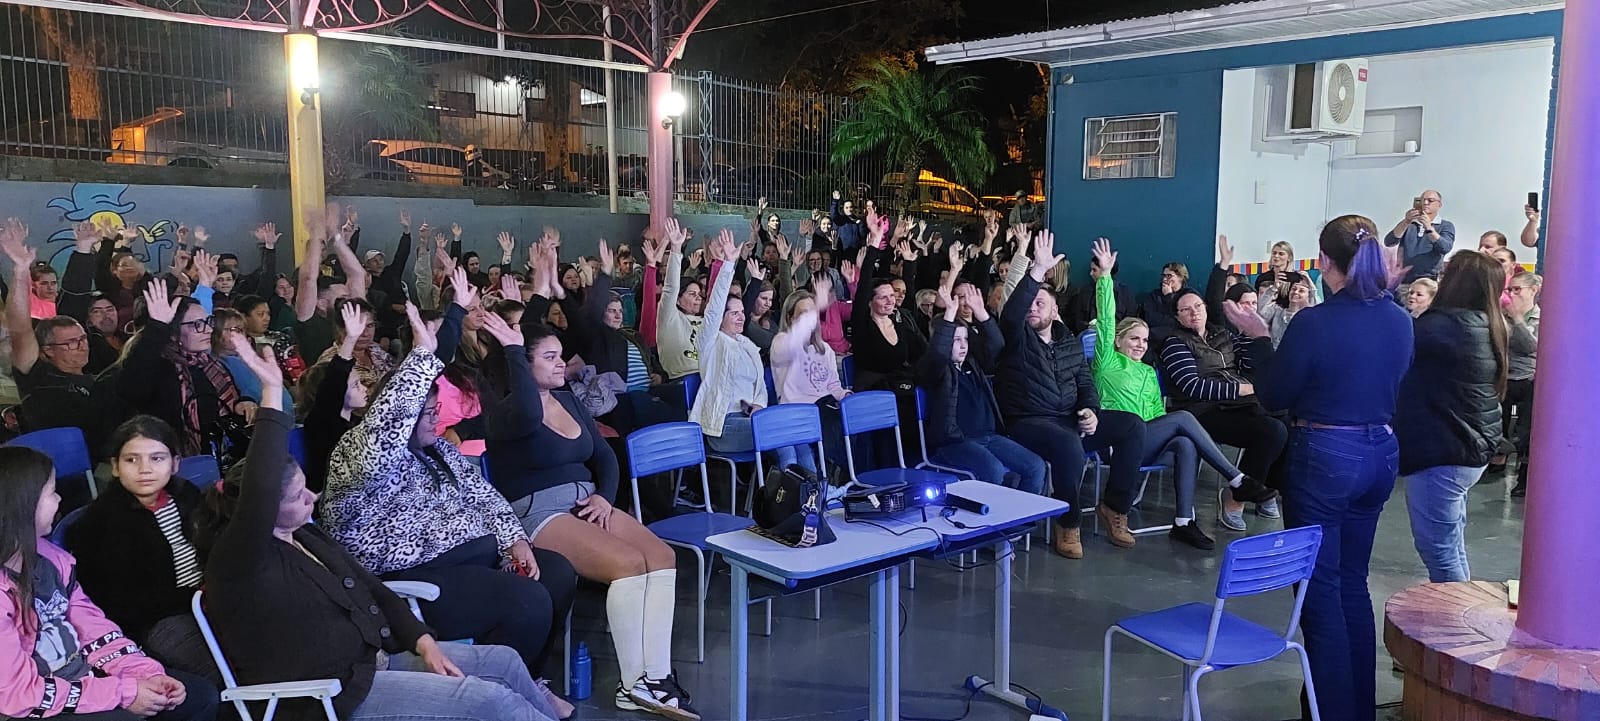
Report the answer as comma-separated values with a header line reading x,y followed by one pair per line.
x,y
1253,269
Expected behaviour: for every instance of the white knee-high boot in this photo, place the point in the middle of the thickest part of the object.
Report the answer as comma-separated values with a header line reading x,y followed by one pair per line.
x,y
627,615
660,600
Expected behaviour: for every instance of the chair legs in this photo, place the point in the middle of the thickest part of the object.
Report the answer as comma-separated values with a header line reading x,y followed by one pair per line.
x,y
1105,682
816,605
1305,670
700,606
911,574
327,708
1193,694
733,485
566,656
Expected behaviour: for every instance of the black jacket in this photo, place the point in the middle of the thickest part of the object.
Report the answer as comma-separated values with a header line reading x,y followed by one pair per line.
x,y
1038,379
1080,310
936,374
1156,308
124,561
1449,412
600,345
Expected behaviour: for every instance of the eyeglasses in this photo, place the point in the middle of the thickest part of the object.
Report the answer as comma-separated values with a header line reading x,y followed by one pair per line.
x,y
200,325
1191,310
71,344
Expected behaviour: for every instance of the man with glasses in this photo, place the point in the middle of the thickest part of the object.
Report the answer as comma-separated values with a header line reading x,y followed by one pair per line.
x,y
1424,238
47,361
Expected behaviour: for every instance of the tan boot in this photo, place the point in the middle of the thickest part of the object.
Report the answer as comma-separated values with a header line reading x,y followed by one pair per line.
x,y
1116,527
1068,544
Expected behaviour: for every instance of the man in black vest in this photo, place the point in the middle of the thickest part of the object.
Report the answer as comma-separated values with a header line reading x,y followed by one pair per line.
x,y
1051,407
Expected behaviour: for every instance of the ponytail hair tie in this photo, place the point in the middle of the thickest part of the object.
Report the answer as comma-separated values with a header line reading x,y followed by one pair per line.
x,y
1363,235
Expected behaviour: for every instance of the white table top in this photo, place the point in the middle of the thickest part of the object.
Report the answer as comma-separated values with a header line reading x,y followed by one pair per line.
x,y
859,544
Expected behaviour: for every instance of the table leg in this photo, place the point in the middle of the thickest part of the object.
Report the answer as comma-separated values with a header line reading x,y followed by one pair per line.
x,y
1000,687
891,643
877,703
739,661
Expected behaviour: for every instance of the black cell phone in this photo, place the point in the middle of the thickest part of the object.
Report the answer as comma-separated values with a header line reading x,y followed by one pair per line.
x,y
1533,200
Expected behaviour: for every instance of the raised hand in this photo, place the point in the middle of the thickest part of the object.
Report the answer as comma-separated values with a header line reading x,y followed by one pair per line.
x,y
350,318
807,229
970,295
747,248
725,247
466,296
958,259
1105,257
906,249
1224,252
947,300
652,249
754,268
761,203
824,291
608,260
405,220
268,234
421,337
508,244
330,219
509,289
422,231
205,266
551,237
847,270
455,230
14,243
674,234
502,332
84,236
200,236
1395,267
798,257
161,307
352,219
1044,257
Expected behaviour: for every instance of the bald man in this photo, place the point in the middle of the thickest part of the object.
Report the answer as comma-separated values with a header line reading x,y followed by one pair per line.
x,y
1424,238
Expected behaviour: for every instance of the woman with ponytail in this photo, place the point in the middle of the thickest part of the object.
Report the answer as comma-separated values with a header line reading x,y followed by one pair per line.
x,y
1342,456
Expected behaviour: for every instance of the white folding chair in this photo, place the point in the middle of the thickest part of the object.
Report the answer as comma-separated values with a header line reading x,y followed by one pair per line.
x,y
321,689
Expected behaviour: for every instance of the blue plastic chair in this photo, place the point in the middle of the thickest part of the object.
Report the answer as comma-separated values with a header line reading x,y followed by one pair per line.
x,y
772,388
691,388
1087,338
781,426
1206,638
922,440
68,452
847,372
671,447
201,471
1095,461
58,535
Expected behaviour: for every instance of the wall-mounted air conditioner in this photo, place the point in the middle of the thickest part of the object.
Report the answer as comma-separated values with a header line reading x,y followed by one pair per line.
x,y
1327,98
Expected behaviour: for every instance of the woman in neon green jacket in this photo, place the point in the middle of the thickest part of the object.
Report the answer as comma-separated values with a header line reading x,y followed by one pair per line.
x,y
1128,384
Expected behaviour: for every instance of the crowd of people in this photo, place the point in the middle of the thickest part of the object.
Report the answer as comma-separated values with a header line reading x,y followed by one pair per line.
x,y
465,426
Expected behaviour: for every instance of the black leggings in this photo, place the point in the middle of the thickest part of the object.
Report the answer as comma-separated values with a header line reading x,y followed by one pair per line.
x,y
1262,436
479,601
1518,434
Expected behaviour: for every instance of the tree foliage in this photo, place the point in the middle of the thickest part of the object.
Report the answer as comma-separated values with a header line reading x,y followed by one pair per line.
x,y
917,117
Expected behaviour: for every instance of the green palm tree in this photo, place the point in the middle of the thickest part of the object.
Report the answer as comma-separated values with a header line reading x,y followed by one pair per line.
x,y
916,116
385,95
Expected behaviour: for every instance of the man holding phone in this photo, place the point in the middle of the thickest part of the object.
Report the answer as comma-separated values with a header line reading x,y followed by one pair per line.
x,y
1424,238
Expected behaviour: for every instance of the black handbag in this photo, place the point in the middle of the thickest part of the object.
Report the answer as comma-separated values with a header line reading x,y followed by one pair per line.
x,y
791,508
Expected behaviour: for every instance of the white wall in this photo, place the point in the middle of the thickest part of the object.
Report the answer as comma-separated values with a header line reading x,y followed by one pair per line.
x,y
1484,117
1483,144
1292,178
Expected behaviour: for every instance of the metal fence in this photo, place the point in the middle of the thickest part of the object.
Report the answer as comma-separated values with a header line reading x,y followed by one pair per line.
x,y
136,91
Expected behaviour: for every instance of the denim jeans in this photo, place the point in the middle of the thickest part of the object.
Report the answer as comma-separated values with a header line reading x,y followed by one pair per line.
x,y
1180,434
496,687
990,457
737,437
1437,501
1339,480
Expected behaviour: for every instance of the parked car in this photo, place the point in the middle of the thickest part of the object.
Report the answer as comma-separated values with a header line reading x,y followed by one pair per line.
x,y
746,186
937,199
201,138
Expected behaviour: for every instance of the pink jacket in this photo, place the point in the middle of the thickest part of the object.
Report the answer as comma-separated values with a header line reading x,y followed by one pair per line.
x,y
26,694
455,406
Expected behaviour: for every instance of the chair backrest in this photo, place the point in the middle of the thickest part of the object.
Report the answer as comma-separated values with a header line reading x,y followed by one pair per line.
x,y
197,606
1268,562
772,388
847,372
1087,338
58,535
665,447
868,411
67,450
786,424
691,388
297,445
202,471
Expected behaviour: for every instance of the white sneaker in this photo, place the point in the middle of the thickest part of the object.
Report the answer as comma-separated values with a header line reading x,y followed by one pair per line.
x,y
1269,509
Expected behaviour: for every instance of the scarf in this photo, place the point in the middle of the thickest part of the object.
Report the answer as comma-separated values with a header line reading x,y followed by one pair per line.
x,y
222,391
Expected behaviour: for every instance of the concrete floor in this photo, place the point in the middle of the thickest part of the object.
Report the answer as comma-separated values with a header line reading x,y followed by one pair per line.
x,y
817,670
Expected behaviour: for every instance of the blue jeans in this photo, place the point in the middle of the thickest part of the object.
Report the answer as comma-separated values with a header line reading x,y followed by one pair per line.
x,y
1339,480
991,457
1437,501
496,687
737,437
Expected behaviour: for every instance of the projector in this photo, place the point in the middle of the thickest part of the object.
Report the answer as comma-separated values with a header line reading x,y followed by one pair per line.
x,y
893,498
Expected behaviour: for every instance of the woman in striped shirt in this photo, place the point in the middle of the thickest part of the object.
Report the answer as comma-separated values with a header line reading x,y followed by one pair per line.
x,y
133,545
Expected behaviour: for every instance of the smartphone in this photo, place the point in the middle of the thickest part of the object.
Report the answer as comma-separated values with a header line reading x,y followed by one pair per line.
x,y
1533,201
1417,202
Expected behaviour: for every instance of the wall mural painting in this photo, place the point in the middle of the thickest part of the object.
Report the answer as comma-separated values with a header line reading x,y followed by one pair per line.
x,y
103,203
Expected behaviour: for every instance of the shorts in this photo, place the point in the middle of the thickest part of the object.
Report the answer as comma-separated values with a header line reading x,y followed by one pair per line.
x,y
536,510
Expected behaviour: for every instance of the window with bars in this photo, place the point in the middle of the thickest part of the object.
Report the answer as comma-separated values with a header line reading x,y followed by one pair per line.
x,y
452,104
1130,146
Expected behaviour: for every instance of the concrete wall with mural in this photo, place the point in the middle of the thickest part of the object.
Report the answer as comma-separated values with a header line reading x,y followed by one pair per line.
x,y
231,214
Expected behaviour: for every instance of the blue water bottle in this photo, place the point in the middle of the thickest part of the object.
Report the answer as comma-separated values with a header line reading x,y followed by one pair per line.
x,y
581,680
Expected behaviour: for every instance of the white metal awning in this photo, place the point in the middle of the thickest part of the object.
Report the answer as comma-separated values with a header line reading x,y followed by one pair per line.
x,y
1247,23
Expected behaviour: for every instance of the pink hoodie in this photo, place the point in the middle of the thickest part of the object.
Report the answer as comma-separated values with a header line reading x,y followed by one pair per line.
x,y
24,693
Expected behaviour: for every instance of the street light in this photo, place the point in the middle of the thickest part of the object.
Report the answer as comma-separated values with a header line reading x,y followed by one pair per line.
x,y
303,73
672,106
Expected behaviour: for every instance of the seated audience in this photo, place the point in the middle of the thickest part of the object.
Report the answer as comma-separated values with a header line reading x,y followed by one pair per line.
x,y
331,398
1083,304
886,346
1420,296
1278,310
280,593
804,368
134,547
678,320
963,415
228,321
761,323
1522,317
1049,404
1128,384
1156,306
410,507
546,456
1448,416
1208,369
49,361
62,656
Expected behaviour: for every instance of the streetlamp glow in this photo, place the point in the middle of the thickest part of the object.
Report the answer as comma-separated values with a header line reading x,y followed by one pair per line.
x,y
672,106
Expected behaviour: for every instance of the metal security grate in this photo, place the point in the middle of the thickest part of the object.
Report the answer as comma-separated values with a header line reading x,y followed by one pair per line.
x,y
1130,146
